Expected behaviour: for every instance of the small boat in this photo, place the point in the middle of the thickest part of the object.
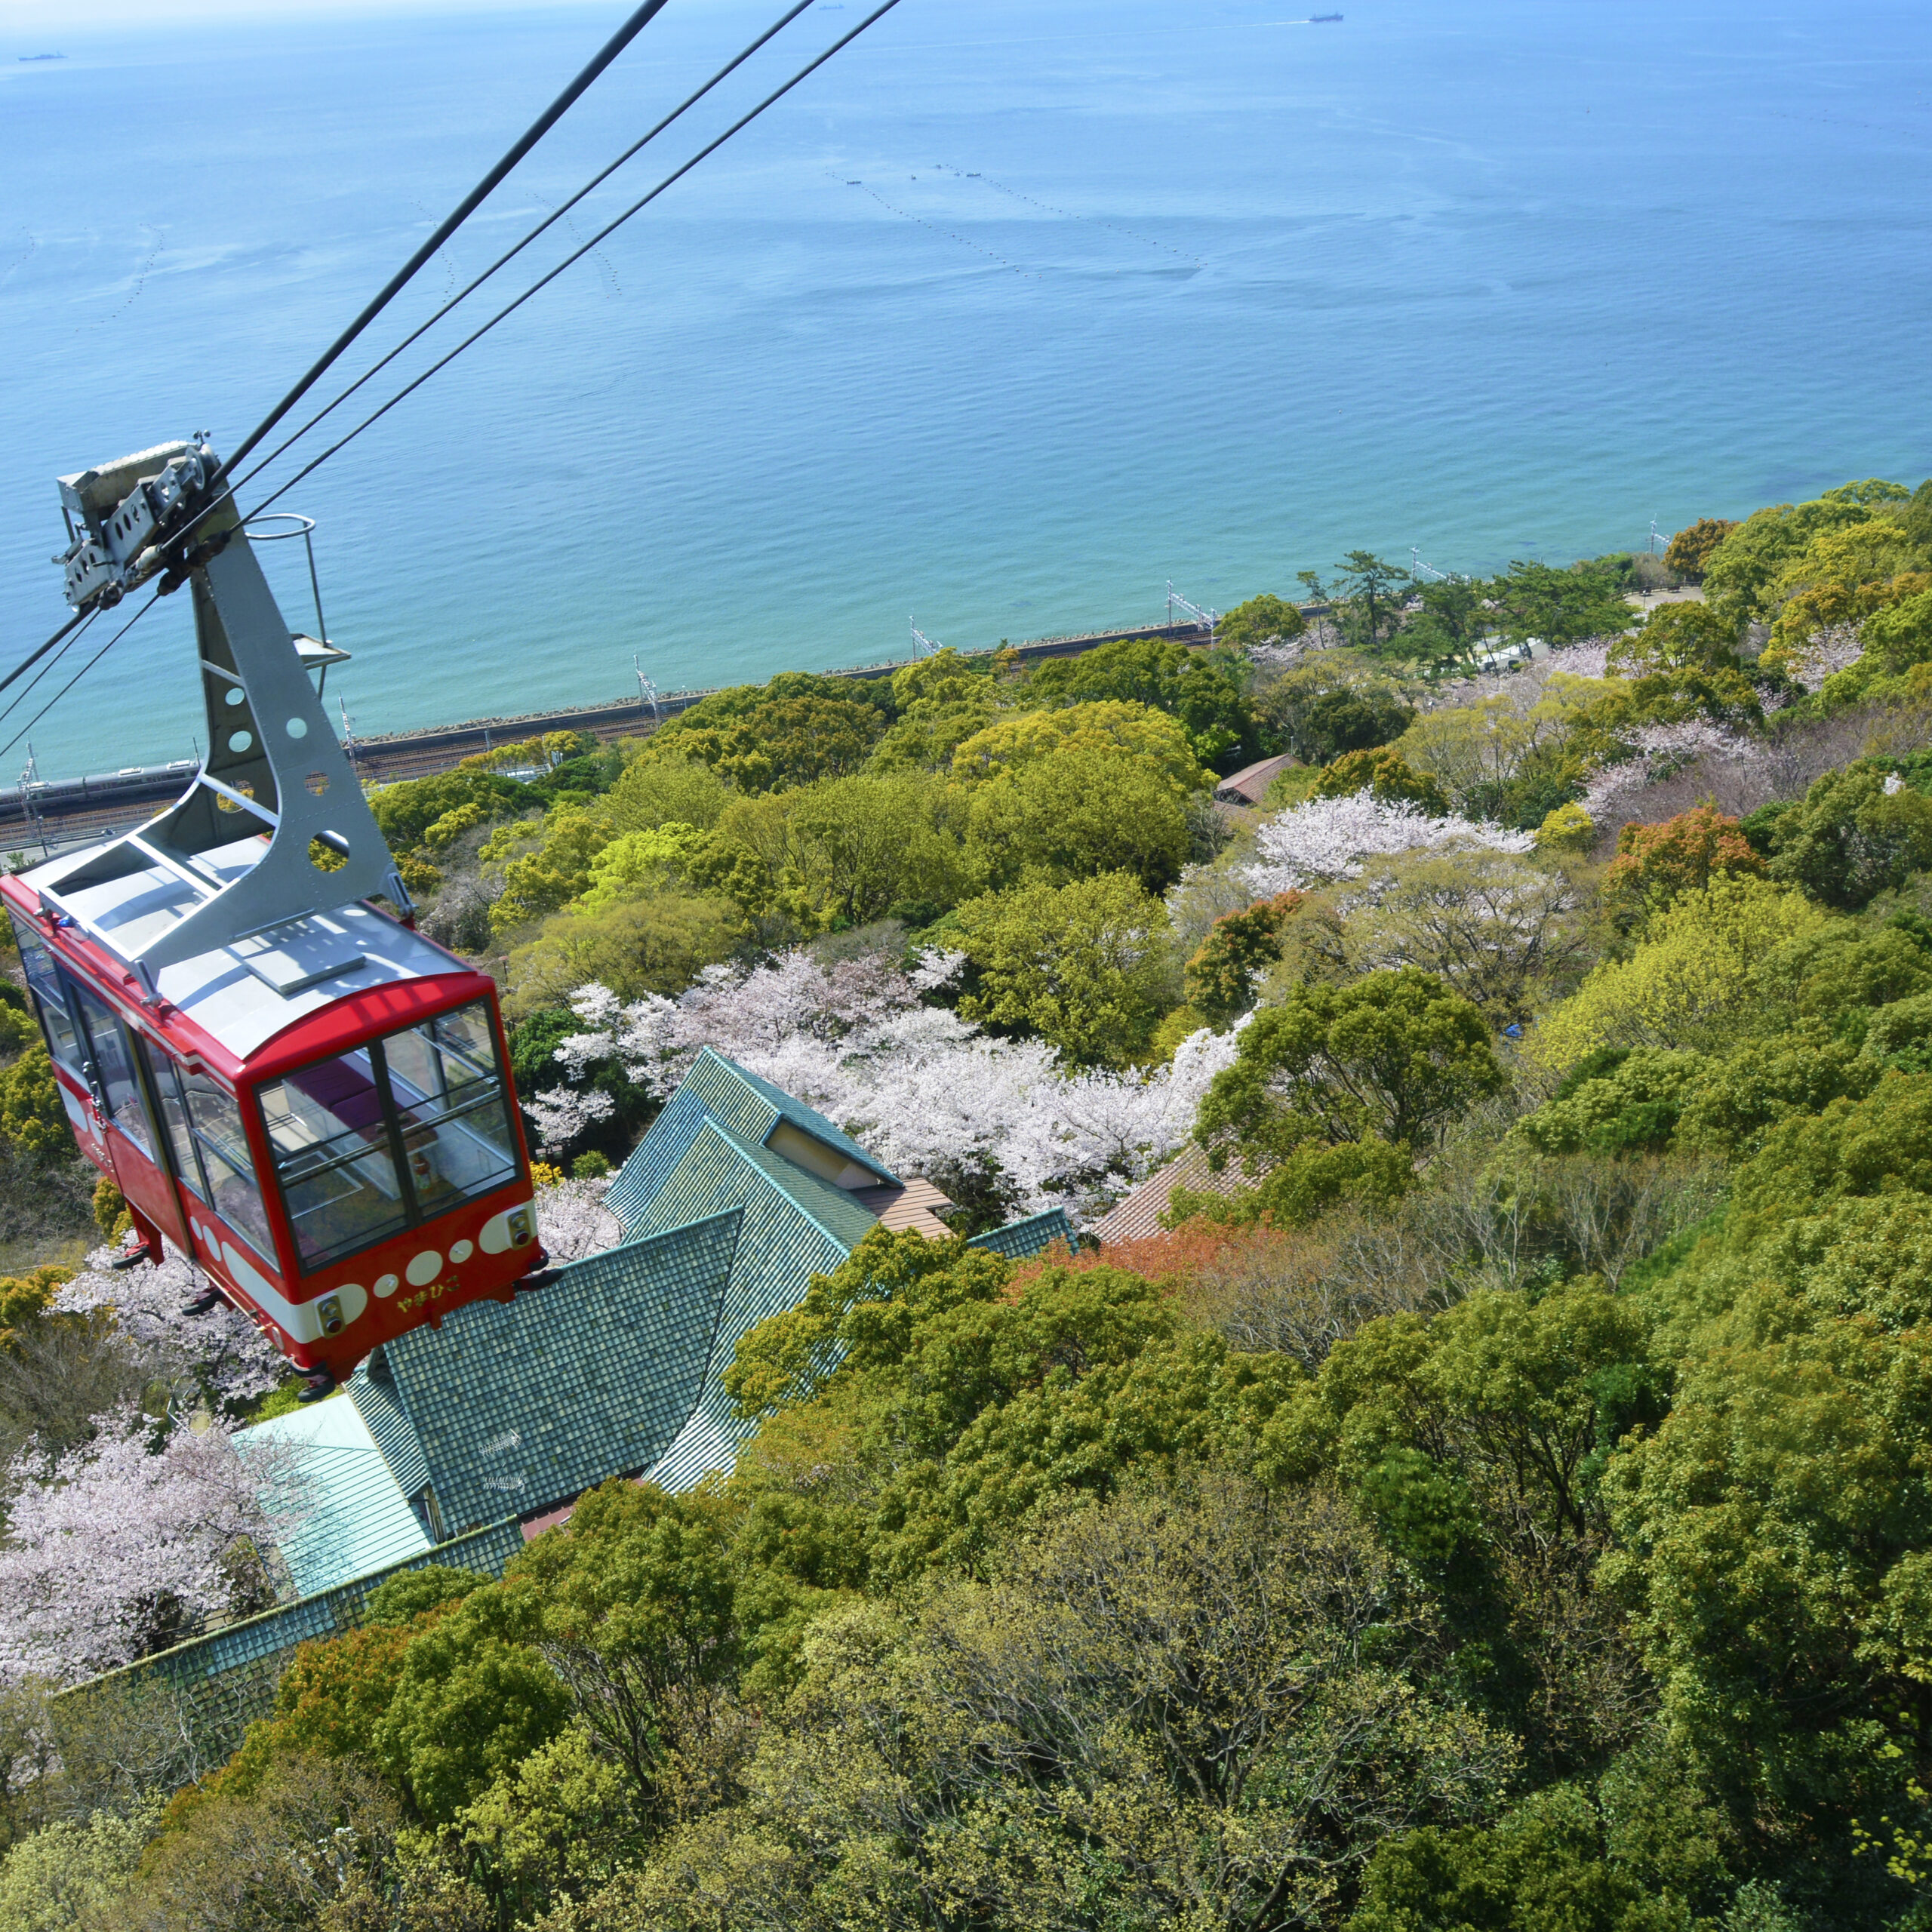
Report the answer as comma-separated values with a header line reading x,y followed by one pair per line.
x,y
43,56
1322,19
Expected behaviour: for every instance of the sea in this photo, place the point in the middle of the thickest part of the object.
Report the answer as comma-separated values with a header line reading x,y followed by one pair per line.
x,y
1012,319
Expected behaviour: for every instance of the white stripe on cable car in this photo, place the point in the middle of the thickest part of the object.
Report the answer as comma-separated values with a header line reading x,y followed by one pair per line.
x,y
301,1321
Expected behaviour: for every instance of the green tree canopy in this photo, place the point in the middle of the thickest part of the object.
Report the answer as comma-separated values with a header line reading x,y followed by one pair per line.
x,y
1266,618
1204,691
1396,1055
1087,966
1088,811
1559,606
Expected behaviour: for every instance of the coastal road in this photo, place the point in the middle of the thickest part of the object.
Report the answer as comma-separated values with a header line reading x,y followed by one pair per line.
x,y
46,818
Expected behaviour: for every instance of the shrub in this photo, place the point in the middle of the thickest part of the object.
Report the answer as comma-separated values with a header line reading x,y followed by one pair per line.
x,y
1384,772
1655,863
1857,833
1219,979
1689,550
1395,1056
1084,965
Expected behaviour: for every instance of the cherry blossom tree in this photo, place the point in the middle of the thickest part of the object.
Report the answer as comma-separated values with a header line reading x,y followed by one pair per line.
x,y
1834,648
1657,751
572,1221
223,1352
927,1091
115,1548
1326,840
1588,657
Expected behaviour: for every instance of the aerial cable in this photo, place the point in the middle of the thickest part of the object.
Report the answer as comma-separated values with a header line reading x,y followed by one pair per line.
x,y
596,180
78,621
79,675
538,128
602,234
19,697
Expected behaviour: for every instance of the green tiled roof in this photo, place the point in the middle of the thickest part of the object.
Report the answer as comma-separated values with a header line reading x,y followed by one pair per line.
x,y
1019,1241
355,1516
795,1226
373,1391
720,1091
616,1367
519,1408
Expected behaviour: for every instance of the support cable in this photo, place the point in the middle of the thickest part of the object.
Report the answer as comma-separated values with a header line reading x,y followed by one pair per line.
x,y
596,180
537,129
19,697
79,620
603,234
80,674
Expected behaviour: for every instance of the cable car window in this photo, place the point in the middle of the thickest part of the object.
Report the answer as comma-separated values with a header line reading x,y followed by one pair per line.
x,y
50,1001
120,1093
395,1134
449,1099
227,1171
165,1080
333,1156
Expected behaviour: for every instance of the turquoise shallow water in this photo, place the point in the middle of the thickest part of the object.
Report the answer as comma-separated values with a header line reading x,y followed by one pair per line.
x,y
1128,293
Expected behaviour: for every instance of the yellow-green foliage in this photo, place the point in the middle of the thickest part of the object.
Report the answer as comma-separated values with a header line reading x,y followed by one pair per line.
x,y
660,787
1468,747
1089,808
24,1298
1086,966
76,1876
552,868
454,823
1109,726
637,863
659,944
1566,829
32,1115
840,852
1693,976
1845,558
942,701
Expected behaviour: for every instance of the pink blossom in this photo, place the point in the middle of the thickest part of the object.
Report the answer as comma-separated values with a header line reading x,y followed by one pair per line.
x,y
222,1350
1835,648
927,1092
1659,750
110,1546
561,1114
1588,658
1326,839
572,1221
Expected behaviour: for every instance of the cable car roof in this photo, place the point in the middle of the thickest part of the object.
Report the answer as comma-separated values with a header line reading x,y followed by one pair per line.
x,y
243,994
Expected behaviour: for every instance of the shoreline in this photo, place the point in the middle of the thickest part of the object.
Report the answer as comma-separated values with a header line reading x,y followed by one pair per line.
x,y
55,812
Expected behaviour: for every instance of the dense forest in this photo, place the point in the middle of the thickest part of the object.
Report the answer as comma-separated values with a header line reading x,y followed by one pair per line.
x,y
1499,1500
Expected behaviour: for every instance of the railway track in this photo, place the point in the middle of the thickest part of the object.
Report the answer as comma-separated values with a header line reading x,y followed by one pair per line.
x,y
44,817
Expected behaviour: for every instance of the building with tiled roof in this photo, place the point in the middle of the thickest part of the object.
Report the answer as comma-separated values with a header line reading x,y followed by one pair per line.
x,y
1249,785
1138,1214
735,1198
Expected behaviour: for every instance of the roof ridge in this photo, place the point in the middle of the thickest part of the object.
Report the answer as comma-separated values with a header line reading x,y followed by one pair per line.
x,y
791,1108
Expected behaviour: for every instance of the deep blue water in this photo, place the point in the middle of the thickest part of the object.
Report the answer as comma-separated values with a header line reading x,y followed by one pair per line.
x,y
1129,293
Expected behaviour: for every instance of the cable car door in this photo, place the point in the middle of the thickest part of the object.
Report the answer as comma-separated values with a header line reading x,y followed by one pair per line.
x,y
134,1146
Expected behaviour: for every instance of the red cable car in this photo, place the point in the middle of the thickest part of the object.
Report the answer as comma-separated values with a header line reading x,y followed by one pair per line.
x,y
297,1090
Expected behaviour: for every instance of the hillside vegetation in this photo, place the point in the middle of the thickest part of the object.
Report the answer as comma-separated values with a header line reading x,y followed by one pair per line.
x,y
1498,1502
